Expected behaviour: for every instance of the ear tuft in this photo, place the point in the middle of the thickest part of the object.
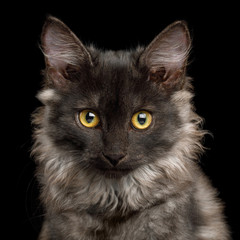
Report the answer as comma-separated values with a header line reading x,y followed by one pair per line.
x,y
157,75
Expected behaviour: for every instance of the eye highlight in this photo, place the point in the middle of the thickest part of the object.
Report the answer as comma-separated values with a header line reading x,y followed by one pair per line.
x,y
88,118
141,120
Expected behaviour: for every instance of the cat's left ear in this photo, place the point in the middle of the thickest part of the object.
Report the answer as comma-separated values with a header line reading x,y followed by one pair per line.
x,y
166,56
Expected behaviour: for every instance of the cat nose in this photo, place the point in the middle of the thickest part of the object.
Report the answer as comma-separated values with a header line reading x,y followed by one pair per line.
x,y
114,158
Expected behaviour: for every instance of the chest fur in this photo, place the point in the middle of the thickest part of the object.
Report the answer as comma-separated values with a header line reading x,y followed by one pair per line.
x,y
161,221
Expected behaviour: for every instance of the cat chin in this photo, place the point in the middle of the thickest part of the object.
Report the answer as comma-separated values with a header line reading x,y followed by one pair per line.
x,y
115,173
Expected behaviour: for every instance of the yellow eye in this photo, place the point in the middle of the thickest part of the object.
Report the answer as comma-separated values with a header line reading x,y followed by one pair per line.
x,y
89,118
141,120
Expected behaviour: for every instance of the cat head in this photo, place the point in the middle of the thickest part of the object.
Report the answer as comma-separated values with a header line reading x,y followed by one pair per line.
x,y
115,111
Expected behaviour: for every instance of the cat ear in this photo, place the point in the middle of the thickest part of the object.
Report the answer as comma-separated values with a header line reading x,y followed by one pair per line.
x,y
166,56
62,50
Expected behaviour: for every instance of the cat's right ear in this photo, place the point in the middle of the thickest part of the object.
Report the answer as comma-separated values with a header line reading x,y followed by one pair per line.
x,y
63,52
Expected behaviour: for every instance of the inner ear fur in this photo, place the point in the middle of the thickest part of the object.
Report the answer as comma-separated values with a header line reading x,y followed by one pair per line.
x,y
166,56
63,51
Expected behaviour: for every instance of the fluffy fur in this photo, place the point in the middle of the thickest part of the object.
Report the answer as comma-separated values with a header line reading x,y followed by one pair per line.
x,y
164,194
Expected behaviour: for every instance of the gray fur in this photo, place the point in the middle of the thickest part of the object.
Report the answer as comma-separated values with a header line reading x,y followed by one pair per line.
x,y
165,197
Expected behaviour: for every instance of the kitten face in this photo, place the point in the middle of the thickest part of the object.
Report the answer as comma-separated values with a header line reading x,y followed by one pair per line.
x,y
114,90
113,86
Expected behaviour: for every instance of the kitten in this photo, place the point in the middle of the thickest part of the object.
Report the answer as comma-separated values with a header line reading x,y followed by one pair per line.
x,y
116,143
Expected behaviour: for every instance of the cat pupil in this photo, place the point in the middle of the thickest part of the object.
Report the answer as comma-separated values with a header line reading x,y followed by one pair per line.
x,y
142,118
89,117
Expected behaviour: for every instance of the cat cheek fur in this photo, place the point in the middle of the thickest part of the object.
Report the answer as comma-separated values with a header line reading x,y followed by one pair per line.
x,y
47,95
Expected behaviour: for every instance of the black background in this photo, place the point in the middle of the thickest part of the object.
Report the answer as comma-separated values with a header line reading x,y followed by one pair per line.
x,y
214,67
